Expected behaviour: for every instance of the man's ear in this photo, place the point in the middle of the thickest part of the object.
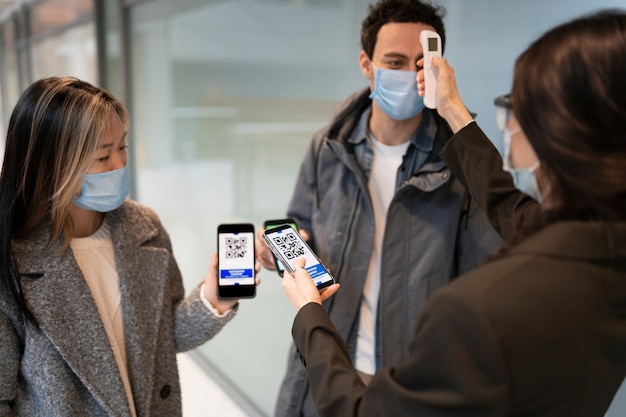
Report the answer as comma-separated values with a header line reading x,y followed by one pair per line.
x,y
366,65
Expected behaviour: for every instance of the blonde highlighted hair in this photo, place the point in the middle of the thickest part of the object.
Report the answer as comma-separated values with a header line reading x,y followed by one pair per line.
x,y
52,140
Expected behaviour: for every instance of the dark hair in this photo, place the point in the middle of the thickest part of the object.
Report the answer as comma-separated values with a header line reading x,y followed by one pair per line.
x,y
400,11
569,96
52,139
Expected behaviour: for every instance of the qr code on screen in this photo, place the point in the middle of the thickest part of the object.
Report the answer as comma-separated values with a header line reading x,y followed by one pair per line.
x,y
236,247
289,246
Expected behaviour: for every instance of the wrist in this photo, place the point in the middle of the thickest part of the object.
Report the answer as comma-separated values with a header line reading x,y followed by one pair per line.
x,y
214,305
457,116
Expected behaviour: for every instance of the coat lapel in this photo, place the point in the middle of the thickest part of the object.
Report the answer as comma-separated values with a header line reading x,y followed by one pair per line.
x,y
141,269
61,301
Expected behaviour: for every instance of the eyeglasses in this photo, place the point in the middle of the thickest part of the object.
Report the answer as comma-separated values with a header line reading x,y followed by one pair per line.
x,y
504,109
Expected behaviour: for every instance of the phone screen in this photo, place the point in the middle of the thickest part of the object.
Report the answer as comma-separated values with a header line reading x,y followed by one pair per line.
x,y
288,245
235,246
270,224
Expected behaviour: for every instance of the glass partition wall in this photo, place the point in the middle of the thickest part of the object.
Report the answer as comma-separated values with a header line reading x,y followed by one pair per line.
x,y
226,96
44,38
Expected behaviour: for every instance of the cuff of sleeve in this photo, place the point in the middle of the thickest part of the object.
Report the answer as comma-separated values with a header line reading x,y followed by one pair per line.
x,y
210,307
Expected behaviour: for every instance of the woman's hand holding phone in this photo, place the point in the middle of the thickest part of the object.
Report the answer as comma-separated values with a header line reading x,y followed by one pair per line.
x,y
300,289
210,289
222,305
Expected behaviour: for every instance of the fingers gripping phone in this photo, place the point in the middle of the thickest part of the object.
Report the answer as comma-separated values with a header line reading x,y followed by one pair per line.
x,y
235,247
270,224
287,244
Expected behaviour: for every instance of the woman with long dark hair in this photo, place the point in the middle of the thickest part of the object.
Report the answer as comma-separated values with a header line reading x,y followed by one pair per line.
x,y
92,304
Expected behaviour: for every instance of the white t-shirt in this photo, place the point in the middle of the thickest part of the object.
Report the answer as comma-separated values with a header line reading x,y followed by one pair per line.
x,y
382,186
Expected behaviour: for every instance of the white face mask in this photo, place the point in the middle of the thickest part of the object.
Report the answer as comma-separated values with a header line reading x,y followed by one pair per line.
x,y
395,92
524,179
105,191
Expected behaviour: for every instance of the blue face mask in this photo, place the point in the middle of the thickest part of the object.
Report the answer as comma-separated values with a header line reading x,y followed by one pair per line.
x,y
524,179
395,92
105,191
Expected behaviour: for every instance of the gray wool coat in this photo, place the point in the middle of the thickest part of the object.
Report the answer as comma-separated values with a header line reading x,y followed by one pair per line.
x,y
66,366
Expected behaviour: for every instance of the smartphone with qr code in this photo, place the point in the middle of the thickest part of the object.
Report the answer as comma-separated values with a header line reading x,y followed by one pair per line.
x,y
270,224
287,244
235,250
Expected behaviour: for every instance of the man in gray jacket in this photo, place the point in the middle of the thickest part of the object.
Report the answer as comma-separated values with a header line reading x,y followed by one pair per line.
x,y
380,207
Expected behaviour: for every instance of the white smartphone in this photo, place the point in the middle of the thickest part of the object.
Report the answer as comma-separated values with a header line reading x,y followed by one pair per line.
x,y
287,244
431,45
269,224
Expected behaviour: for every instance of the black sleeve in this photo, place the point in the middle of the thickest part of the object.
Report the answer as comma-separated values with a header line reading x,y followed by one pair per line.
x,y
334,382
455,367
473,159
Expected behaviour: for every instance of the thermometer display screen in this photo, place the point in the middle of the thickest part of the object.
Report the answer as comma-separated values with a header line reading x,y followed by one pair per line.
x,y
432,44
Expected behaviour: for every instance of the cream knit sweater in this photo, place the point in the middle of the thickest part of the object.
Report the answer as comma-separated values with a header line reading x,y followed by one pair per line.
x,y
94,255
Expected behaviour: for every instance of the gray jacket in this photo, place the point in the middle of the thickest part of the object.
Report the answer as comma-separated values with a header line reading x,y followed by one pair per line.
x,y
67,367
434,232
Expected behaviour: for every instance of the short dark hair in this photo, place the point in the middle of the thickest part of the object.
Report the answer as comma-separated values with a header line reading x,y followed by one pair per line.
x,y
569,97
400,11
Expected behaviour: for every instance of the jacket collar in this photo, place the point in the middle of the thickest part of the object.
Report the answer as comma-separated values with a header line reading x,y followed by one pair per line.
x,y
423,138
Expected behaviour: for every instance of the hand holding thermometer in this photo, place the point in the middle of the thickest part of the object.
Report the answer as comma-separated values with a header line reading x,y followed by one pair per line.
x,y
431,45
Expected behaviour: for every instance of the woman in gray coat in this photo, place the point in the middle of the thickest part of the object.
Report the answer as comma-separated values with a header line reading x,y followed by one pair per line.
x,y
92,305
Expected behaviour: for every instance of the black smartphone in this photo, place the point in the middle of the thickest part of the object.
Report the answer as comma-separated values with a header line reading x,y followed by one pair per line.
x,y
235,249
287,244
270,224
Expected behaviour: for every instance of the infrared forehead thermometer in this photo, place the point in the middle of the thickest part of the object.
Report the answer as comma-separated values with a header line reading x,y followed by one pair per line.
x,y
431,45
